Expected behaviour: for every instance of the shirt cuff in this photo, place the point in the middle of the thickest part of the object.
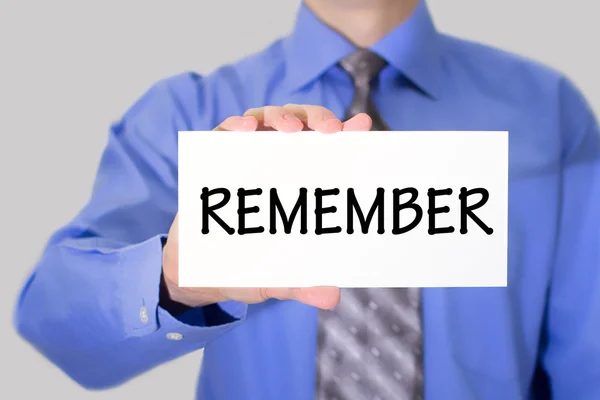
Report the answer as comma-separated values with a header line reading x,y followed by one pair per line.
x,y
141,269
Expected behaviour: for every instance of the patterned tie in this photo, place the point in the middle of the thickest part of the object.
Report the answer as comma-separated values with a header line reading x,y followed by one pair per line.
x,y
363,66
369,346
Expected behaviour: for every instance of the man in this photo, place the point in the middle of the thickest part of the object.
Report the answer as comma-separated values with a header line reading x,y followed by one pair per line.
x,y
103,303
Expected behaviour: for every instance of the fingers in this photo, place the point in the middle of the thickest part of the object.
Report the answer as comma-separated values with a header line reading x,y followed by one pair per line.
x,y
316,118
360,122
275,118
320,297
294,118
242,124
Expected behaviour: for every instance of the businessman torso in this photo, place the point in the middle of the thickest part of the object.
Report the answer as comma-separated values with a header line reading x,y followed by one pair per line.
x,y
92,305
479,342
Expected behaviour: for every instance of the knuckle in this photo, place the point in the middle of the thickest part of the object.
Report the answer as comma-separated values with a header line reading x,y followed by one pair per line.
x,y
230,119
226,122
313,107
323,110
263,294
251,112
317,110
272,110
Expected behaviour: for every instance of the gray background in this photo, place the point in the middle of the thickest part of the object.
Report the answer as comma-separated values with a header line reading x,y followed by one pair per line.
x,y
69,68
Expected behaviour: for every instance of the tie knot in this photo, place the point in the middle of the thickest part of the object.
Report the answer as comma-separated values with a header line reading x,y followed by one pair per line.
x,y
363,65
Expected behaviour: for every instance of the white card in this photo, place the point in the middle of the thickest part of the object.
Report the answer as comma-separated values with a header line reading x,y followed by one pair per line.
x,y
305,170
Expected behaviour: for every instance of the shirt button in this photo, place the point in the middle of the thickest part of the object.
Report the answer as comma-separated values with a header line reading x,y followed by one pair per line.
x,y
144,315
174,336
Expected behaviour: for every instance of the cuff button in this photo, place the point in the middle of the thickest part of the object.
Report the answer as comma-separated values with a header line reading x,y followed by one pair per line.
x,y
144,315
174,336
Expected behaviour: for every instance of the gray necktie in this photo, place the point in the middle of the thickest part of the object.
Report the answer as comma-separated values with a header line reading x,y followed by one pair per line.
x,y
369,346
363,66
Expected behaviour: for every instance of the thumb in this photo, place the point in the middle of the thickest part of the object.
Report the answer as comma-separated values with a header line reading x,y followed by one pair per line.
x,y
322,297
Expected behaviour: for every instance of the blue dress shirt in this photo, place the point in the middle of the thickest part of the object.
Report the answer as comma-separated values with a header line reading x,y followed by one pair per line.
x,y
91,306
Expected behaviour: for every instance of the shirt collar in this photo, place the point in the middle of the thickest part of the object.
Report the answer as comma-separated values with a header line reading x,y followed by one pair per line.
x,y
413,48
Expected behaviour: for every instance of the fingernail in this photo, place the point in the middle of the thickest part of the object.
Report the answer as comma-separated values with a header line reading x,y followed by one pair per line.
x,y
332,125
247,121
289,117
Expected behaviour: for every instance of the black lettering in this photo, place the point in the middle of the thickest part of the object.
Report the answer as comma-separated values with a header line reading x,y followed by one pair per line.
x,y
319,210
432,193
243,210
364,223
209,211
276,206
466,210
409,204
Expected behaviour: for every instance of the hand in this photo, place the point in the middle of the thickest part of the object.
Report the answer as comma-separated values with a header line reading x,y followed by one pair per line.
x,y
289,118
294,118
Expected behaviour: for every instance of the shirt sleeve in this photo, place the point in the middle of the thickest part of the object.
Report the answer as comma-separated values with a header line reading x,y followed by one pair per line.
x,y
571,354
91,305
